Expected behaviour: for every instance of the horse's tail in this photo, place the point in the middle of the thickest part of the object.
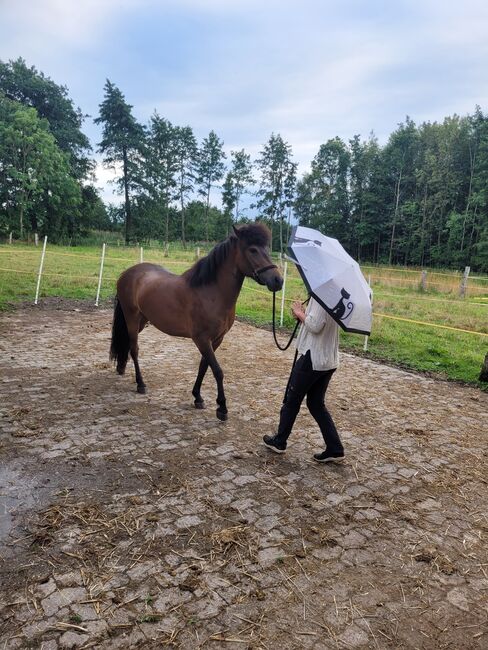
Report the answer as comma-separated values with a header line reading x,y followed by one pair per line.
x,y
120,344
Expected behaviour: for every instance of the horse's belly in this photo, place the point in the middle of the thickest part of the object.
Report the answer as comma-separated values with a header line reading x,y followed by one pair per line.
x,y
164,307
170,326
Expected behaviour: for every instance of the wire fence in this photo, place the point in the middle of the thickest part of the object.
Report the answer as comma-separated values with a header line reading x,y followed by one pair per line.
x,y
107,267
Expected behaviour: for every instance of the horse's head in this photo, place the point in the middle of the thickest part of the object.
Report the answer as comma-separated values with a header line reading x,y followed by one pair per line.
x,y
253,257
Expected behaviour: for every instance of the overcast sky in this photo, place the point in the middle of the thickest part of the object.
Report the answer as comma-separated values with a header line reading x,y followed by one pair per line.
x,y
307,69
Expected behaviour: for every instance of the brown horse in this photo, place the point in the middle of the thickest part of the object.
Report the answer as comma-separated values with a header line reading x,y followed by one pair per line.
x,y
199,304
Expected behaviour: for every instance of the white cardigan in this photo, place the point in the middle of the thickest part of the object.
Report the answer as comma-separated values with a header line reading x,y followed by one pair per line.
x,y
319,333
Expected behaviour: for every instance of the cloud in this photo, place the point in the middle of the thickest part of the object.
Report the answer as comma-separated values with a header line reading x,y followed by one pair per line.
x,y
246,68
54,23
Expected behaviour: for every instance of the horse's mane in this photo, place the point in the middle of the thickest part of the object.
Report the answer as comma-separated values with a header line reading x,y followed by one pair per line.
x,y
205,271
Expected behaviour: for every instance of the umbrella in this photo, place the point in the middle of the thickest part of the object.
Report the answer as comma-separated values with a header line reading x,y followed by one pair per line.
x,y
333,278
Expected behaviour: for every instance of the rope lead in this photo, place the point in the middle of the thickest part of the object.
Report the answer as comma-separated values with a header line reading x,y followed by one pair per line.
x,y
280,347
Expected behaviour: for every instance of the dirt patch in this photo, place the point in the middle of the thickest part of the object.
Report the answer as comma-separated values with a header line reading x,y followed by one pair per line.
x,y
136,521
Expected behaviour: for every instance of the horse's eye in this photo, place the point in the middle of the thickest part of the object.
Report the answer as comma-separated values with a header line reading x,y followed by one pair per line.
x,y
253,250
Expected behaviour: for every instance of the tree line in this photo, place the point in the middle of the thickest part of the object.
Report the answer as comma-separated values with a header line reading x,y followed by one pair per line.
x,y
422,198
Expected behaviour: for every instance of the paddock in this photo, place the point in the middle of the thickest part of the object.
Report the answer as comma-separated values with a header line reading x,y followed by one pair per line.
x,y
136,521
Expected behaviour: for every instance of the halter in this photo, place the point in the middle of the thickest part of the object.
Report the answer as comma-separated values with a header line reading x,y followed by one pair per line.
x,y
263,269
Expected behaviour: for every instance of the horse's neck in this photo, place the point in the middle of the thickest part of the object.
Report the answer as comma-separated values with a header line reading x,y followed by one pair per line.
x,y
229,281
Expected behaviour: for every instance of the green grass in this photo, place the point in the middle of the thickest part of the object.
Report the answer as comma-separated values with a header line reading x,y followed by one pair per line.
x,y
73,273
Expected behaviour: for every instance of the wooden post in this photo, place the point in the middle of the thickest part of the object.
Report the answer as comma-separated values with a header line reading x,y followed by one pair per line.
x,y
10,238
484,370
423,281
197,253
464,282
141,256
36,239
166,250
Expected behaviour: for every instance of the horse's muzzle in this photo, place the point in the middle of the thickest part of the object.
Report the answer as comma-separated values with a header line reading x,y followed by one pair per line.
x,y
269,276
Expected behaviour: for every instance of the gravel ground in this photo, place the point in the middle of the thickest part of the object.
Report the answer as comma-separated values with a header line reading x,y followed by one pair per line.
x,y
136,521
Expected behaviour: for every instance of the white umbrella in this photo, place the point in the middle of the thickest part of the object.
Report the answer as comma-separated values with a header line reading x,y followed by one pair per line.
x,y
333,278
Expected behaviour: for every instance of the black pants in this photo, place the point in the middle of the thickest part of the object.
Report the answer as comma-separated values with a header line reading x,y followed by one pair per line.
x,y
305,381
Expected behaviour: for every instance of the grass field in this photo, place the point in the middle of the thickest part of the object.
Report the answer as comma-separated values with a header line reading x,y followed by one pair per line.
x,y
453,354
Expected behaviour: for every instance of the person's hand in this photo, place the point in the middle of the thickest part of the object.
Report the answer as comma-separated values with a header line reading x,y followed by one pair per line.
x,y
297,310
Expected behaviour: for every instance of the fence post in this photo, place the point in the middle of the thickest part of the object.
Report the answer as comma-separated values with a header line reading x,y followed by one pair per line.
x,y
484,370
366,338
10,238
40,270
464,282
36,239
423,281
100,275
283,294
141,256
197,253
166,250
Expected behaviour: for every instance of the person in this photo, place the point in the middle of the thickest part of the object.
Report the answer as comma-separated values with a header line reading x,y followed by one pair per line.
x,y
318,347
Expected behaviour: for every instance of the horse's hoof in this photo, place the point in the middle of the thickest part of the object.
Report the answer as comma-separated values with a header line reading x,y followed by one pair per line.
x,y
222,416
141,390
200,405
121,371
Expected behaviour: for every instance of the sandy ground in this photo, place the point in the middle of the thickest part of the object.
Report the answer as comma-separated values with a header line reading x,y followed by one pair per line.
x,y
136,521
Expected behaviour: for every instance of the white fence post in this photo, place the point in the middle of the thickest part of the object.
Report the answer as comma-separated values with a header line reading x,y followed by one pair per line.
x,y
36,239
40,270
142,256
366,338
10,238
283,294
100,275
464,282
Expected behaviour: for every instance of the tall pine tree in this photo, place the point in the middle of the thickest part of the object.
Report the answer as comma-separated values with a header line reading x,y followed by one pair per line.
x,y
122,144
210,169
277,182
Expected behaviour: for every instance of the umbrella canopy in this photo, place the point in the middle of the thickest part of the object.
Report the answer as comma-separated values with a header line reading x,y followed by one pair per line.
x,y
333,278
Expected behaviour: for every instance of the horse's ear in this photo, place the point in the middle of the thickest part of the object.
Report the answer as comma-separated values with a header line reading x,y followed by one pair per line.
x,y
236,230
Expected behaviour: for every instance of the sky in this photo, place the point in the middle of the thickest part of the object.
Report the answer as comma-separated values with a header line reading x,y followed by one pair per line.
x,y
307,69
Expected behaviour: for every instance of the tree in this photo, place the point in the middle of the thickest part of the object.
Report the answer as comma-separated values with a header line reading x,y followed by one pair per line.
x,y
122,144
237,181
322,196
161,165
93,213
31,88
228,200
35,175
366,200
400,154
277,182
210,169
185,151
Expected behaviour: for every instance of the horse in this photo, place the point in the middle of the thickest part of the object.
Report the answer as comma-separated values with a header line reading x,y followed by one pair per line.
x,y
198,304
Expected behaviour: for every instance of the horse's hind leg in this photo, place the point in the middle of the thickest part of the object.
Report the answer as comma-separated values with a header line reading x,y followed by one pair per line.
x,y
136,324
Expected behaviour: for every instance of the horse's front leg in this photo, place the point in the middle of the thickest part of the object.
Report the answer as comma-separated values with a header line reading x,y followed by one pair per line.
x,y
202,369
208,355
